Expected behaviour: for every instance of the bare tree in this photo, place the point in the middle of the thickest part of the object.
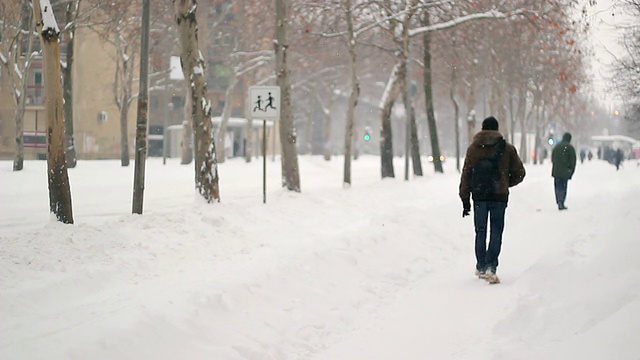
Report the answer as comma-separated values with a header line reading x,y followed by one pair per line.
x,y
193,67
186,148
348,21
75,18
59,189
71,16
241,63
428,94
17,23
125,39
288,136
627,77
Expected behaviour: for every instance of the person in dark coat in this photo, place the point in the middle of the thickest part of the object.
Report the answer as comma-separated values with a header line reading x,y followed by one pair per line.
x,y
563,157
619,156
490,207
583,154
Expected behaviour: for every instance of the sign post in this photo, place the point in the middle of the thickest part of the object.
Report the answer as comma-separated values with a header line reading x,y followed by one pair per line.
x,y
264,103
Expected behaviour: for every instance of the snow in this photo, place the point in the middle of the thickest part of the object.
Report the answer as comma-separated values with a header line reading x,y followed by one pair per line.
x,y
49,23
17,71
383,270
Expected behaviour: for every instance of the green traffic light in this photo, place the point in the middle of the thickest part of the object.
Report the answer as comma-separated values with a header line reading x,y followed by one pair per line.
x,y
367,137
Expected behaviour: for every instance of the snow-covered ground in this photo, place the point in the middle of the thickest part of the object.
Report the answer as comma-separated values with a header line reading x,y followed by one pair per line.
x,y
383,270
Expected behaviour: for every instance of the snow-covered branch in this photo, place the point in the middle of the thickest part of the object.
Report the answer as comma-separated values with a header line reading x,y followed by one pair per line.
x,y
492,14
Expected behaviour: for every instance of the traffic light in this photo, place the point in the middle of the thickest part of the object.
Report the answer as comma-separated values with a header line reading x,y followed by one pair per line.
x,y
550,139
367,134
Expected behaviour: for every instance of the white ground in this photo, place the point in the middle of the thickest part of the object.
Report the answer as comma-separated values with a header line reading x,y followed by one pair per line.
x,y
383,270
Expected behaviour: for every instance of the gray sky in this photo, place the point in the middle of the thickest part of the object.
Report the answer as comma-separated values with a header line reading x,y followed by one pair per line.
x,y
607,18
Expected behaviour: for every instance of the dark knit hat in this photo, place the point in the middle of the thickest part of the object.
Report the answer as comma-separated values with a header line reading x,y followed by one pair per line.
x,y
490,123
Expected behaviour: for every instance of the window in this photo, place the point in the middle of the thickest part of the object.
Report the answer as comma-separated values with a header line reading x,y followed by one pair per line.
x,y
35,89
37,77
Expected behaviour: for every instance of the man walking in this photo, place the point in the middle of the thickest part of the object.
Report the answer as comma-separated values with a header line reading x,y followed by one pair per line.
x,y
491,167
563,157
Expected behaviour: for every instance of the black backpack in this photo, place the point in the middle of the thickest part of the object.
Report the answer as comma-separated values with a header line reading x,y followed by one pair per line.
x,y
486,174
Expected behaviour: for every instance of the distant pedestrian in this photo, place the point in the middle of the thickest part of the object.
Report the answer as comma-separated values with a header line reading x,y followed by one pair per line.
x,y
491,166
583,154
619,156
563,157
590,155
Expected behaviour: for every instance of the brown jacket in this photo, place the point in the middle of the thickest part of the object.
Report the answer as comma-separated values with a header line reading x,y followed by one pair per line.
x,y
510,166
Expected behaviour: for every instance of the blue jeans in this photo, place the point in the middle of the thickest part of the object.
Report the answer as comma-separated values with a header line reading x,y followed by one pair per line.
x,y
560,186
492,211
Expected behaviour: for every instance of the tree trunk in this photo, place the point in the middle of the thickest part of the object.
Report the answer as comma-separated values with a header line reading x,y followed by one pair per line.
x,y
58,179
386,135
428,93
124,133
18,160
288,136
326,128
521,113
415,145
193,67
224,119
456,113
471,112
513,113
187,132
71,16
353,98
311,111
248,145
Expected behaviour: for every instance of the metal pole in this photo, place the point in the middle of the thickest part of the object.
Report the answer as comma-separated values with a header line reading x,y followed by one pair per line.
x,y
264,161
141,120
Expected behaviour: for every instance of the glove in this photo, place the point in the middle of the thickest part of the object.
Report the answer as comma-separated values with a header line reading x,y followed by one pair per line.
x,y
466,207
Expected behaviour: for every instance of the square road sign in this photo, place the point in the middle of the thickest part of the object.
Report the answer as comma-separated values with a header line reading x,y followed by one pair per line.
x,y
264,102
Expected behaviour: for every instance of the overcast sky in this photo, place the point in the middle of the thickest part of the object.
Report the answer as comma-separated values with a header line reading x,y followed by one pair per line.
x,y
607,18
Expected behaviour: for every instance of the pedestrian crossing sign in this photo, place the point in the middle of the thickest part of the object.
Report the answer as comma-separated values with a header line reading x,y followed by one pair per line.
x,y
264,102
